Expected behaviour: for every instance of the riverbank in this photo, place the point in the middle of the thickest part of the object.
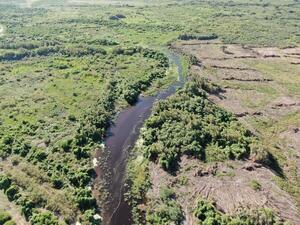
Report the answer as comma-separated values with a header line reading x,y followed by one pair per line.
x,y
122,137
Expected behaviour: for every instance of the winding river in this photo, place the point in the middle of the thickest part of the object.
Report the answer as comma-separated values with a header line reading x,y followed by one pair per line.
x,y
121,138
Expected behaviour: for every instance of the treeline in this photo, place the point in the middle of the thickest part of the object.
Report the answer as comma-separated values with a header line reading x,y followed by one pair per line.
x,y
188,123
51,50
30,50
186,37
146,52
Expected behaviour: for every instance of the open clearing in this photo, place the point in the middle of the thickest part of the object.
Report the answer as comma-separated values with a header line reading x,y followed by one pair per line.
x,y
254,81
228,184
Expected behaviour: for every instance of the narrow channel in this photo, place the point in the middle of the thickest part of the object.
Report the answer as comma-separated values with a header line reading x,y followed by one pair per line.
x,y
121,138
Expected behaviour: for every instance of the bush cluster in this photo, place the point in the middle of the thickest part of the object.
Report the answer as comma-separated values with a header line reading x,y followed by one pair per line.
x,y
5,218
207,214
188,123
13,194
166,211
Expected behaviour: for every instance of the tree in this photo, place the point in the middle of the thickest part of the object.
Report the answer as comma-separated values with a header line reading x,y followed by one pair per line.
x,y
5,182
12,193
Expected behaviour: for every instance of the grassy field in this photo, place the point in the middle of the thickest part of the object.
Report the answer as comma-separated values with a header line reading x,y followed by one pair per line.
x,y
67,67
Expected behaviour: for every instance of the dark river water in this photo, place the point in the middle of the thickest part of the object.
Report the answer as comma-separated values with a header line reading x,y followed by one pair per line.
x,y
121,138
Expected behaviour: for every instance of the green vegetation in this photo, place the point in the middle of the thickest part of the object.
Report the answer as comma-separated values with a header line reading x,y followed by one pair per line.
x,y
67,68
5,218
51,123
208,214
188,123
166,211
44,218
255,185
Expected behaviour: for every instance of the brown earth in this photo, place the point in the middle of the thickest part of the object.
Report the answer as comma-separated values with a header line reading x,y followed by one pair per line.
x,y
292,136
228,184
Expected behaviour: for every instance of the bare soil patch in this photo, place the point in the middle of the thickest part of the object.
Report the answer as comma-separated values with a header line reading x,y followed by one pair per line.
x,y
238,51
292,55
230,64
292,136
292,51
241,75
268,52
282,106
228,184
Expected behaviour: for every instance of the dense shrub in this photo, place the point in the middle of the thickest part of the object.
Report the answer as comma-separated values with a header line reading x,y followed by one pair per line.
x,y
90,219
21,148
27,206
84,199
43,218
105,42
166,211
131,95
165,214
186,37
207,214
57,182
80,178
166,194
5,182
188,123
4,217
12,193
18,55
37,155
117,17
66,145
82,152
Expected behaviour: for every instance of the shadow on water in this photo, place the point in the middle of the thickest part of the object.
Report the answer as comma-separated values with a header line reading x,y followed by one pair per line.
x,y
122,137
